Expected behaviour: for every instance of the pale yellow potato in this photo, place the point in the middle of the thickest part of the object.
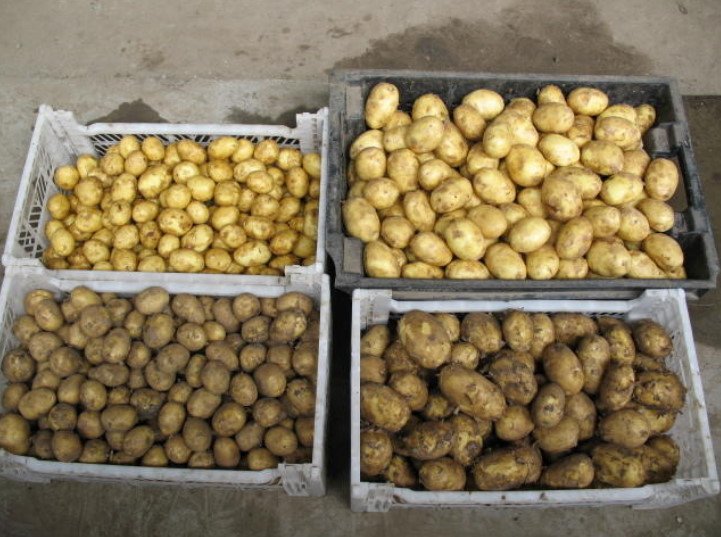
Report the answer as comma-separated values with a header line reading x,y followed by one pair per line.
x,y
66,177
258,227
394,210
543,263
617,130
550,93
381,193
361,220
522,105
154,180
664,251
397,231
529,234
96,251
486,102
243,169
432,173
574,238
152,263
526,165
553,117
202,188
402,167
183,171
283,242
453,147
167,244
513,212
634,225
604,219
493,187
497,140
305,247
424,134
356,189
59,206
252,253
562,198
174,222
89,191
624,111
369,138
430,248
478,159
370,163
645,117
661,179
379,261
636,161
119,213
63,242
186,260
394,138
530,199
444,220
135,163
380,105
124,188
145,211
572,269
588,183
582,130
125,260
421,270
489,219
429,104
465,239
621,188
559,150
126,237
266,151
454,193
608,258
460,269
604,158
469,121
521,127
399,118
660,215
642,266
260,182
504,262
587,101
418,210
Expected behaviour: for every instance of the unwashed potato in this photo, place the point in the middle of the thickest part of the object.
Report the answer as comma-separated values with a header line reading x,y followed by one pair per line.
x,y
425,339
442,474
376,451
625,427
618,466
507,468
383,407
427,440
474,394
573,472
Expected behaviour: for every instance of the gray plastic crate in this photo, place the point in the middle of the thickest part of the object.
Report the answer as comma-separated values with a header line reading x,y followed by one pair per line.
x,y
669,138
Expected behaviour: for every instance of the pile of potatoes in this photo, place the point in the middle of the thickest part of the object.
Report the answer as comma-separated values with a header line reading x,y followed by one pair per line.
x,y
159,380
232,208
518,400
558,188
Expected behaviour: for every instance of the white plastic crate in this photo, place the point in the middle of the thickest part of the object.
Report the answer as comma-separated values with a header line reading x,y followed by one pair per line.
x,y
58,139
296,479
696,476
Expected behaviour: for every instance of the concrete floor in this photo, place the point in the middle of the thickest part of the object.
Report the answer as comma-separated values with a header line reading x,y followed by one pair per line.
x,y
212,61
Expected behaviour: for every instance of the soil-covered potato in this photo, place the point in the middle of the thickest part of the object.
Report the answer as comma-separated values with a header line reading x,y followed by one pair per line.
x,y
625,427
652,339
472,392
570,327
425,339
400,472
549,405
507,468
483,331
517,330
595,354
515,424
442,474
573,472
376,451
559,438
620,342
14,434
427,441
562,366
617,466
514,377
616,387
375,340
661,390
581,408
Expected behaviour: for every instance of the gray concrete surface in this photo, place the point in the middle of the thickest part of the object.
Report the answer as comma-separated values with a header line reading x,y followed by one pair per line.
x,y
213,61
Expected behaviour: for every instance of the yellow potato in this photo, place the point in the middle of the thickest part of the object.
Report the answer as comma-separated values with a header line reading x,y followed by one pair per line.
x,y
418,210
582,130
605,220
466,270
402,167
380,105
621,188
624,111
635,162
522,105
572,269
369,138
529,234
550,93
634,225
543,263
645,117
361,219
642,266
489,219
617,130
486,102
465,239
379,261
574,238
430,248
530,200
493,187
587,101
661,179
520,126
381,193
478,159
370,164
608,258
497,140
553,117
453,147
664,251
252,253
394,138
562,198
504,262
604,158
559,150
469,121
429,104
424,134
419,269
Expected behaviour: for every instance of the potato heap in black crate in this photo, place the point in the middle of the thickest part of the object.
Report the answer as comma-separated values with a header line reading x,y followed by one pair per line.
x,y
158,380
516,400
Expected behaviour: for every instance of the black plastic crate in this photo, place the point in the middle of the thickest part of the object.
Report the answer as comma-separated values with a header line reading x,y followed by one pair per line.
x,y
669,138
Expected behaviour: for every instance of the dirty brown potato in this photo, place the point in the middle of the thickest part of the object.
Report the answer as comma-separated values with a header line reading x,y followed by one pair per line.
x,y
514,377
442,474
652,339
507,469
483,331
549,405
562,366
425,339
616,389
573,472
595,354
617,466
625,427
515,424
472,392
660,390
376,451
383,407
